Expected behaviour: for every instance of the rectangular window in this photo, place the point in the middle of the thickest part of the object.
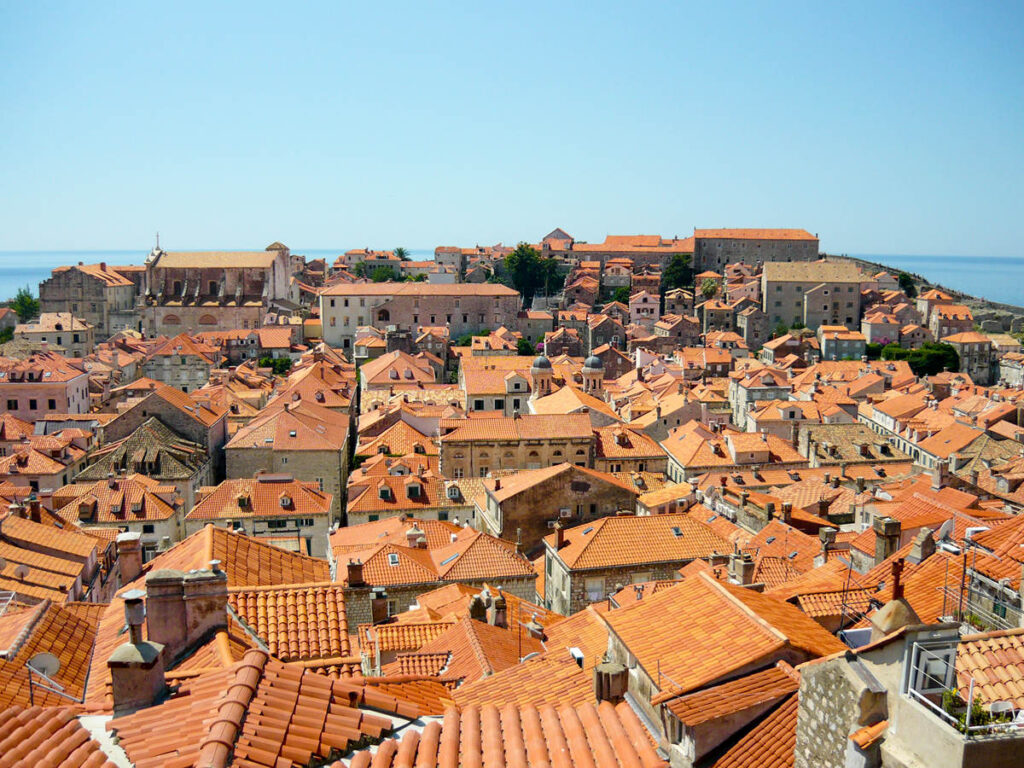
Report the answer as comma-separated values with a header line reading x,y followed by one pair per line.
x,y
148,528
595,588
12,405
31,405
51,404
484,471
332,302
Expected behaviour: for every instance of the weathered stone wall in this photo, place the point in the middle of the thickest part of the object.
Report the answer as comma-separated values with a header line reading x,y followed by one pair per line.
x,y
328,466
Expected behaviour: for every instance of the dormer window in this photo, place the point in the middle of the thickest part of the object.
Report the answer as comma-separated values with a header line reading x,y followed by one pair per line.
x,y
392,559
286,501
384,493
414,490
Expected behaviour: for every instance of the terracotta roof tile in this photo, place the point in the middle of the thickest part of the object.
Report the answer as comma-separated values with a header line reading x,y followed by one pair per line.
x,y
702,630
49,629
258,712
995,660
770,744
554,677
264,495
587,735
723,700
303,621
47,736
633,540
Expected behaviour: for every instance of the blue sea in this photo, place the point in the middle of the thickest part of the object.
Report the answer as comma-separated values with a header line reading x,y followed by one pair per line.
x,y
994,278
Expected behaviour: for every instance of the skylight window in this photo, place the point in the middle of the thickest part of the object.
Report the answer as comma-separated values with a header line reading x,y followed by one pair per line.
x,y
392,559
588,530
449,559
677,531
792,554
769,540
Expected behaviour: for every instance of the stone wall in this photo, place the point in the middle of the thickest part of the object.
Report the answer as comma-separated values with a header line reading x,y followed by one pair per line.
x,y
328,466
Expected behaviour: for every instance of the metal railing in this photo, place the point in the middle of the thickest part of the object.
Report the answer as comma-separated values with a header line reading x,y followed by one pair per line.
x,y
924,682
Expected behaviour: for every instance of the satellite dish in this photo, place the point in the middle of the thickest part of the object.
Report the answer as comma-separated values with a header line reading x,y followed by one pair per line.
x,y
21,572
3,563
945,530
45,663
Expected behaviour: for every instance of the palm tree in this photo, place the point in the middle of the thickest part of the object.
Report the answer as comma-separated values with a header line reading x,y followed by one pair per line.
x,y
402,253
708,288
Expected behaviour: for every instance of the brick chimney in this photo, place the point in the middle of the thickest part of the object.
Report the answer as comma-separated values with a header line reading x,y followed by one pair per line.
x,y
35,514
355,573
379,606
184,609
136,667
559,535
610,681
497,614
923,547
887,537
129,556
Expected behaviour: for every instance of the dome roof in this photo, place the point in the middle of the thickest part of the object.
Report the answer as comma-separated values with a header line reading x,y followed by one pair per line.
x,y
594,363
541,362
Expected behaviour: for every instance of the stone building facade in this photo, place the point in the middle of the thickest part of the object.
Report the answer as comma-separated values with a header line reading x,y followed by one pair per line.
x,y
215,290
97,293
482,446
715,248
463,308
524,507
814,293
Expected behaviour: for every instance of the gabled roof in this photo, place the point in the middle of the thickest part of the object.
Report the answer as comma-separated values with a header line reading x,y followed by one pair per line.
x,y
704,630
265,495
304,426
527,427
50,736
479,649
296,621
44,628
553,678
723,700
580,737
630,540
526,479
264,711
770,744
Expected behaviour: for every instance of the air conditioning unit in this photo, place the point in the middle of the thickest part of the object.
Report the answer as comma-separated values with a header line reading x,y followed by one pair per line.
x,y
565,512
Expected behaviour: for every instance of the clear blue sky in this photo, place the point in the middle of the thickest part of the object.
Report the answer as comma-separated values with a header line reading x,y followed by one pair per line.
x,y
886,128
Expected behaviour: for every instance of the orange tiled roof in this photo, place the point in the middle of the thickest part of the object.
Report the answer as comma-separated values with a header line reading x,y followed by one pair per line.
x,y
479,649
995,660
262,496
771,743
553,678
755,234
258,712
703,630
587,735
52,629
624,540
527,427
302,621
723,700
47,736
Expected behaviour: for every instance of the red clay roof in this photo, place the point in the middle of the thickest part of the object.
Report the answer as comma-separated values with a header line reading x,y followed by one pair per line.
x,y
771,743
587,735
47,736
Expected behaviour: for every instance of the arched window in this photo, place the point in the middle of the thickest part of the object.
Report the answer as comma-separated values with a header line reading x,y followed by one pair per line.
x,y
534,455
172,320
207,320
383,315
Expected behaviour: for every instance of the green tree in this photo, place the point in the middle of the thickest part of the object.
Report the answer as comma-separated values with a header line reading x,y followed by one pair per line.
x,y
359,270
621,295
6,334
280,365
873,351
930,359
529,272
780,330
708,288
907,284
525,348
678,273
402,253
383,274
25,304
420,278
